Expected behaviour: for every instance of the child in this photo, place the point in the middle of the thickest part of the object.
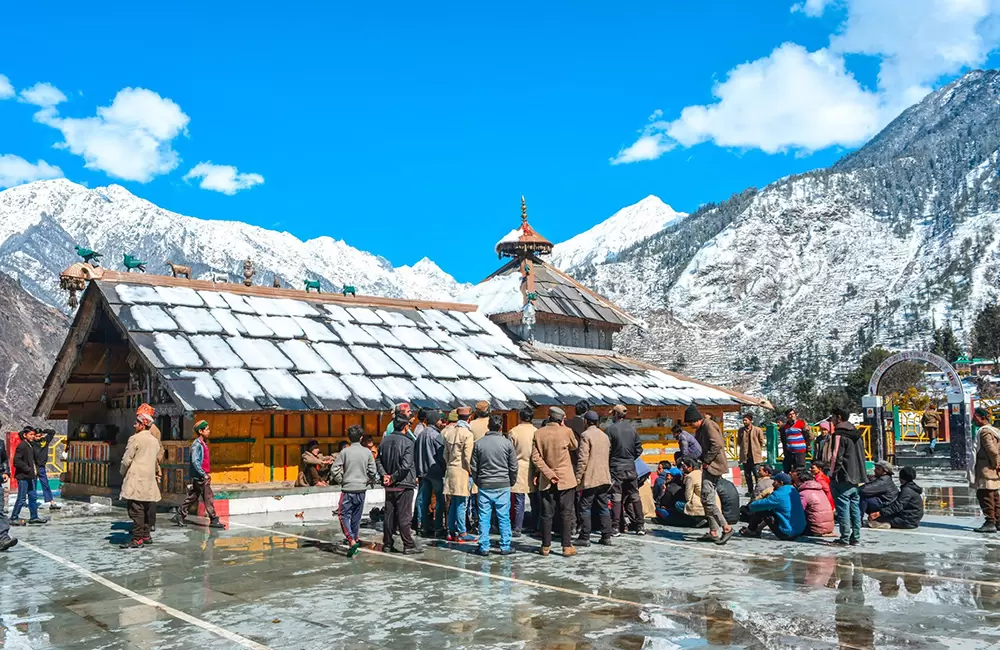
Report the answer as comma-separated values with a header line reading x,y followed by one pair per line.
x,y
354,469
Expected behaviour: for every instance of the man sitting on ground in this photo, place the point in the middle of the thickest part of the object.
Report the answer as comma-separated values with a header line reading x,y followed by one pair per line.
x,y
879,490
819,512
907,509
818,470
662,478
667,511
729,498
763,488
315,467
692,505
781,512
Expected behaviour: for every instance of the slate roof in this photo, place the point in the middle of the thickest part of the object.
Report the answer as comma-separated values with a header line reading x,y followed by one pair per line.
x,y
246,350
558,294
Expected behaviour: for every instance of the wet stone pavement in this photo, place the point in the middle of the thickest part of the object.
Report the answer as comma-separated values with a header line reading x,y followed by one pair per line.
x,y
276,581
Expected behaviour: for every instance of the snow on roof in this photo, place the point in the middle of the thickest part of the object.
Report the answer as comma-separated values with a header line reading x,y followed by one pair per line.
x,y
500,294
230,351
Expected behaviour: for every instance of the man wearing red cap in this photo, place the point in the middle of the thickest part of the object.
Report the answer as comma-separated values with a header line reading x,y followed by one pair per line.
x,y
201,479
139,488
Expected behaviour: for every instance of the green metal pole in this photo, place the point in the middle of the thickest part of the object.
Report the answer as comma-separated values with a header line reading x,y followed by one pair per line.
x,y
896,428
772,443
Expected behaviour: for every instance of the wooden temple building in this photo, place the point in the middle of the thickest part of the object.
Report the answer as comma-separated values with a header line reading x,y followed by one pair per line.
x,y
271,368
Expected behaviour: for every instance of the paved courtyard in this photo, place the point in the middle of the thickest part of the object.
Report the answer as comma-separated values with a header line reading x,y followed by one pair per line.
x,y
277,582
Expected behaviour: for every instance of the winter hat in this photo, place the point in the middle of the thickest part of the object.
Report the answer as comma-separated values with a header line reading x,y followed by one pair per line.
x,y
620,409
692,414
482,406
433,416
464,410
202,424
556,412
453,415
592,416
145,413
887,466
783,478
981,412
675,471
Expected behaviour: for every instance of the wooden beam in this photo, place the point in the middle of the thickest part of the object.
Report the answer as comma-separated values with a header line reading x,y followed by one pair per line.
x,y
69,354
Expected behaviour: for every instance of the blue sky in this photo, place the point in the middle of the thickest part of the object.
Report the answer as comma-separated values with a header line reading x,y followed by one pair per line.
x,y
412,130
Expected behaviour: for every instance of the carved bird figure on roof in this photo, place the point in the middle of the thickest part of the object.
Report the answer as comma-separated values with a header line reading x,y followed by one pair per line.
x,y
132,263
89,256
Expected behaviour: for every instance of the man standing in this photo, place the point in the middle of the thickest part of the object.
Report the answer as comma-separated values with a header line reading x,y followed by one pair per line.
x,y
986,473
847,472
577,425
593,477
523,438
480,423
931,422
713,468
4,472
395,464
355,471
25,473
139,488
201,479
751,442
41,444
625,448
794,441
458,442
494,470
557,483
429,457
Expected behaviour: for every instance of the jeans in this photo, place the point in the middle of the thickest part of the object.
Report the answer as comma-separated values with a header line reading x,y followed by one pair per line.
x,y
428,486
759,520
456,514
872,504
491,501
749,475
25,493
847,498
517,511
43,479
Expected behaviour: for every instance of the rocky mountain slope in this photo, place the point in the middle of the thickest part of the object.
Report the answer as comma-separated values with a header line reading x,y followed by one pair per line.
x,y
799,278
31,334
624,229
41,222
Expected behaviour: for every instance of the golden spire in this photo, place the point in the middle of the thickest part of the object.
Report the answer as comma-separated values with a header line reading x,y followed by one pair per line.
x,y
524,211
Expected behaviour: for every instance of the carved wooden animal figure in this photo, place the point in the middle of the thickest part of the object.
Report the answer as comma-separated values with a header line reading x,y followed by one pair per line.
x,y
313,284
89,256
133,263
219,277
350,290
179,269
276,283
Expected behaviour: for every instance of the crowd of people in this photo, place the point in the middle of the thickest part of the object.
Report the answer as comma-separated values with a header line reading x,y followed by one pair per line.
x,y
460,476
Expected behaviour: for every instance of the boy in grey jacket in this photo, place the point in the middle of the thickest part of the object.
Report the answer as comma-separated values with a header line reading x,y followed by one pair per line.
x,y
355,471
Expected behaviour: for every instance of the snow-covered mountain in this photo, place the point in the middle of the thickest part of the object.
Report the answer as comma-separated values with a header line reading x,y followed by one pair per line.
x,y
624,229
40,222
798,279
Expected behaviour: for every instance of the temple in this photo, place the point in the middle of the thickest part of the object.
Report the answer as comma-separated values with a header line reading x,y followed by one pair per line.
x,y
270,368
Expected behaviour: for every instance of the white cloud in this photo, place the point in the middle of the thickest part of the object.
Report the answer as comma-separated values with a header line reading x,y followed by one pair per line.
x,y
129,139
6,89
15,170
42,94
222,178
814,8
798,100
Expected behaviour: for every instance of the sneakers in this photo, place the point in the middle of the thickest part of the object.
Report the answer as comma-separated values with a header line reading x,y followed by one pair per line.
x,y
544,551
37,520
569,551
55,506
389,549
18,522
483,552
640,532
179,520
466,538
508,551
353,548
215,523
131,544
841,542
148,541
583,541
854,542
412,550
988,527
516,534
879,525
616,533
605,541
6,543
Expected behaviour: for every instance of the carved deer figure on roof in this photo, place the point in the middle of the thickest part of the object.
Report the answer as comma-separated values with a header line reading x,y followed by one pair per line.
x,y
179,269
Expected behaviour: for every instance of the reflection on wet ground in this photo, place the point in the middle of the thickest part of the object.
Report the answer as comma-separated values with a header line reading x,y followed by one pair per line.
x,y
276,582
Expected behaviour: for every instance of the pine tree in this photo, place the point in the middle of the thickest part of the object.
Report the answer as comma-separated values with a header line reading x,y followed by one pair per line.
x,y
945,345
986,333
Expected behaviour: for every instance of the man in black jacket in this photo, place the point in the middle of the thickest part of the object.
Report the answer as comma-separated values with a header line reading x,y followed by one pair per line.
x,y
847,472
4,472
42,444
428,451
395,463
494,469
625,448
878,490
26,473
907,509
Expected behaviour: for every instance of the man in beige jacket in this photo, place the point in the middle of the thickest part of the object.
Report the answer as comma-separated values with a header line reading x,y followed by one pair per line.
x,y
593,477
139,488
750,441
458,443
523,438
557,483
986,479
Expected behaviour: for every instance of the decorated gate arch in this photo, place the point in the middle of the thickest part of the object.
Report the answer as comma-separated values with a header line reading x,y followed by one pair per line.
x,y
961,449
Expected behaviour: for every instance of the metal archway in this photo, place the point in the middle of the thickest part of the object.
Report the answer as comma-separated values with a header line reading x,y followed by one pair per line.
x,y
958,416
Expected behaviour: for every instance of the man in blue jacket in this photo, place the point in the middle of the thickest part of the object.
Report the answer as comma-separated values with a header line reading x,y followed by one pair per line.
x,y
781,511
429,459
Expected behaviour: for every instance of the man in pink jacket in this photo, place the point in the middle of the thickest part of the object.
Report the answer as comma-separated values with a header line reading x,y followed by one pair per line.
x,y
819,514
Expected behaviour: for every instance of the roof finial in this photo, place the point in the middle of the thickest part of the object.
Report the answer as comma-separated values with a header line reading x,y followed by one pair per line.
x,y
524,211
